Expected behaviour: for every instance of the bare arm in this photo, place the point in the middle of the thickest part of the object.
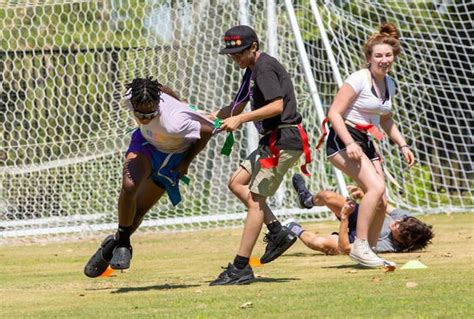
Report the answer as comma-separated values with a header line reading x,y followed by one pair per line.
x,y
270,110
226,111
198,146
391,129
341,103
344,244
394,134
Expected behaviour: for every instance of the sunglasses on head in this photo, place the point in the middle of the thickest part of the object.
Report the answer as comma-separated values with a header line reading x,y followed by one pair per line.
x,y
146,116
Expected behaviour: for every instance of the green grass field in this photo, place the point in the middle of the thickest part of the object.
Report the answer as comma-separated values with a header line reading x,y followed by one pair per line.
x,y
170,274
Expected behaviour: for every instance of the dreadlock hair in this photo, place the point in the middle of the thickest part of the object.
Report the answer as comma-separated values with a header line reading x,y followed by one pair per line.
x,y
414,234
144,91
388,34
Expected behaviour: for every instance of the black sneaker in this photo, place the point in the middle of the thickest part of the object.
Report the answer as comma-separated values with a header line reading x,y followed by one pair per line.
x,y
121,258
277,244
304,195
234,276
99,262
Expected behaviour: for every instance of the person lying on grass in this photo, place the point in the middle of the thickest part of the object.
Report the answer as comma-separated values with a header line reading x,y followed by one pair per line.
x,y
400,233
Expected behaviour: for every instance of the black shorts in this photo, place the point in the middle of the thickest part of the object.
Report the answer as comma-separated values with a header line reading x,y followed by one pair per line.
x,y
334,144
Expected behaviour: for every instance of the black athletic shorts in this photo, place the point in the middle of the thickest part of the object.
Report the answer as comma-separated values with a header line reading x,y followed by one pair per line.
x,y
334,144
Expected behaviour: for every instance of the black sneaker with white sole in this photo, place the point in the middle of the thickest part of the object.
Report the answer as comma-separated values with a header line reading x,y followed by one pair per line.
x,y
99,262
234,276
277,244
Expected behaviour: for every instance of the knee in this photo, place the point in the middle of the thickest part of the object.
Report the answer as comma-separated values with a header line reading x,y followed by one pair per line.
x,y
378,189
382,206
129,186
233,186
255,201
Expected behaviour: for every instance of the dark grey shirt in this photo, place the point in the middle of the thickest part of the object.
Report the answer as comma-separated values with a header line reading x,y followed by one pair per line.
x,y
386,243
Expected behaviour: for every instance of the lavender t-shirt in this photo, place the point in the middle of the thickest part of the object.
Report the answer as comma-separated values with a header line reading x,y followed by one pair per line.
x,y
176,128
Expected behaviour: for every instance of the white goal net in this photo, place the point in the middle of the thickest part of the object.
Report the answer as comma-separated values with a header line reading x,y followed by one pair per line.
x,y
64,66
434,101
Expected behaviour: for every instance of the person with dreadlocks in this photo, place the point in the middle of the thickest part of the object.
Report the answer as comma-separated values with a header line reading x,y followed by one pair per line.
x,y
401,232
169,136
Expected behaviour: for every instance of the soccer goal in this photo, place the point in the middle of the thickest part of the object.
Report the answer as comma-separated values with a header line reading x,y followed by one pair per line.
x,y
64,66
433,104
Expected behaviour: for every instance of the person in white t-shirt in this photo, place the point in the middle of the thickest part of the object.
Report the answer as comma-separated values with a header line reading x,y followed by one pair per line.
x,y
363,104
169,136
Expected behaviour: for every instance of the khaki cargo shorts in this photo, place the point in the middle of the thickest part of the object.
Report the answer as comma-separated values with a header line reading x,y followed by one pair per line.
x,y
265,181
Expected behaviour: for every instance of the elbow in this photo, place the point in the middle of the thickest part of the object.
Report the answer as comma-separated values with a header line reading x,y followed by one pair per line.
x,y
332,115
278,109
206,136
386,122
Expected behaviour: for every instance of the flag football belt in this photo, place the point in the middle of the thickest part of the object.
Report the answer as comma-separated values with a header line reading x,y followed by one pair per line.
x,y
371,130
272,161
366,128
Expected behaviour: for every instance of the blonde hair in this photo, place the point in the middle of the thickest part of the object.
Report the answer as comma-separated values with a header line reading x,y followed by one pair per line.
x,y
388,34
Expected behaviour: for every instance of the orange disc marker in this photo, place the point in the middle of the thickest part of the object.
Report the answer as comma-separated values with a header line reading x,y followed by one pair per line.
x,y
107,273
255,262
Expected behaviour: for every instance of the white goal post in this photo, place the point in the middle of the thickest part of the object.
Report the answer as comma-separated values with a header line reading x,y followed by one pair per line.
x,y
64,66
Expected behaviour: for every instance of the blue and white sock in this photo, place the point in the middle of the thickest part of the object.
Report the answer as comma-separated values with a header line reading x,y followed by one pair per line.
x,y
295,228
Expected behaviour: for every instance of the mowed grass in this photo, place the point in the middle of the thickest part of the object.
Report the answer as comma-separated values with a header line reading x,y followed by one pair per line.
x,y
170,274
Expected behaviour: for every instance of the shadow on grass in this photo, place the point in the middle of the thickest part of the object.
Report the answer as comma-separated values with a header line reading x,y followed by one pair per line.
x,y
353,266
274,280
265,279
155,287
300,255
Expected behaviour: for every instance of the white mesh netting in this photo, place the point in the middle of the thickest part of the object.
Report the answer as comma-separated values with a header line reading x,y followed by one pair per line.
x,y
433,104
64,66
